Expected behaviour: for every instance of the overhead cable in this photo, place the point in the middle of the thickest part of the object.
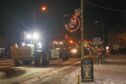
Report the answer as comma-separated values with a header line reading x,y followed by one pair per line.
x,y
103,7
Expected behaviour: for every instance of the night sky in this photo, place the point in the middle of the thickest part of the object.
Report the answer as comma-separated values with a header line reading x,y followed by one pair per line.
x,y
17,16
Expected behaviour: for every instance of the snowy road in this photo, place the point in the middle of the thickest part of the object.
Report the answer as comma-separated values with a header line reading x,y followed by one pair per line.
x,y
112,72
57,77
44,75
66,72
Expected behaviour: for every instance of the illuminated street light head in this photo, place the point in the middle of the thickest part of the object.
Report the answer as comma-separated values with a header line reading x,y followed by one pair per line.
x,y
43,8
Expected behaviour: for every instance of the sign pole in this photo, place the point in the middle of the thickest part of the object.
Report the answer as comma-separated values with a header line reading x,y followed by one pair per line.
x,y
82,38
82,29
86,64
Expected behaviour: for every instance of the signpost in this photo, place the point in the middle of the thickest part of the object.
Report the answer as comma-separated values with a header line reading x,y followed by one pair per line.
x,y
73,25
86,64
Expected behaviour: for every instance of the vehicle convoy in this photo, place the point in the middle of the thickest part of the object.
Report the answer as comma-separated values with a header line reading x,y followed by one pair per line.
x,y
32,54
25,55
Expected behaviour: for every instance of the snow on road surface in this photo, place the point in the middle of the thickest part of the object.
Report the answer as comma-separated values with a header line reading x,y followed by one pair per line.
x,y
58,76
111,72
33,74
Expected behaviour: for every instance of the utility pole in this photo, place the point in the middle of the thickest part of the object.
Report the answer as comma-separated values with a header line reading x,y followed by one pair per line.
x,y
82,38
82,30
103,33
34,17
86,64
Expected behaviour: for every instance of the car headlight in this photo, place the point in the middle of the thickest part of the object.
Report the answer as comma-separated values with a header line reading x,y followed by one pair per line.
x,y
74,50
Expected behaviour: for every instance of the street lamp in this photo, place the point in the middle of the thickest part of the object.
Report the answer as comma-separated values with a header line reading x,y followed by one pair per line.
x,y
82,37
43,8
103,41
103,36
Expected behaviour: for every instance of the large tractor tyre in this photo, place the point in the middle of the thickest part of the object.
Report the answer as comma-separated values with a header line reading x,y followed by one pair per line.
x,y
18,62
27,62
44,59
40,60
47,58
37,61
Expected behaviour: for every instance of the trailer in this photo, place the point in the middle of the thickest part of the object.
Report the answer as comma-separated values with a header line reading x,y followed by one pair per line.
x,y
21,54
55,53
29,55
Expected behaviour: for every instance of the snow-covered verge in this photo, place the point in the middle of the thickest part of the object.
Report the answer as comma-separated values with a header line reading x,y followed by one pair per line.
x,y
103,74
111,72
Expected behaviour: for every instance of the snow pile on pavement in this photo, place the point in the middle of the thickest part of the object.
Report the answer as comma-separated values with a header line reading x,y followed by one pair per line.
x,y
71,78
112,72
103,74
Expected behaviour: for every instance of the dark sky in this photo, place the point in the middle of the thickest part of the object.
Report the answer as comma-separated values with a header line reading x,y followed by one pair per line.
x,y
17,16
110,13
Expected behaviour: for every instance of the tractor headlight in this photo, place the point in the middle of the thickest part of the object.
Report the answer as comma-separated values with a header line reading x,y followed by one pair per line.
x,y
39,45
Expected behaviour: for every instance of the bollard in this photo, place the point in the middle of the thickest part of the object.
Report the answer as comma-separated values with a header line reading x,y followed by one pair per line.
x,y
78,79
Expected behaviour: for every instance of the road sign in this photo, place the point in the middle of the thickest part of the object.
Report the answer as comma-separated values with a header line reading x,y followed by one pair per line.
x,y
97,41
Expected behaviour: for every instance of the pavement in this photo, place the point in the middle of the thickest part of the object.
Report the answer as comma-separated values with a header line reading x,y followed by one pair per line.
x,y
111,72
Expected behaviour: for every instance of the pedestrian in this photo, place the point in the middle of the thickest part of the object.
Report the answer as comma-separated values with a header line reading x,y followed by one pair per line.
x,y
99,54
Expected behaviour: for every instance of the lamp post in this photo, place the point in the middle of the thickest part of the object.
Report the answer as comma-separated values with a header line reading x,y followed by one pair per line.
x,y
86,64
102,30
82,37
82,29
103,39
43,8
